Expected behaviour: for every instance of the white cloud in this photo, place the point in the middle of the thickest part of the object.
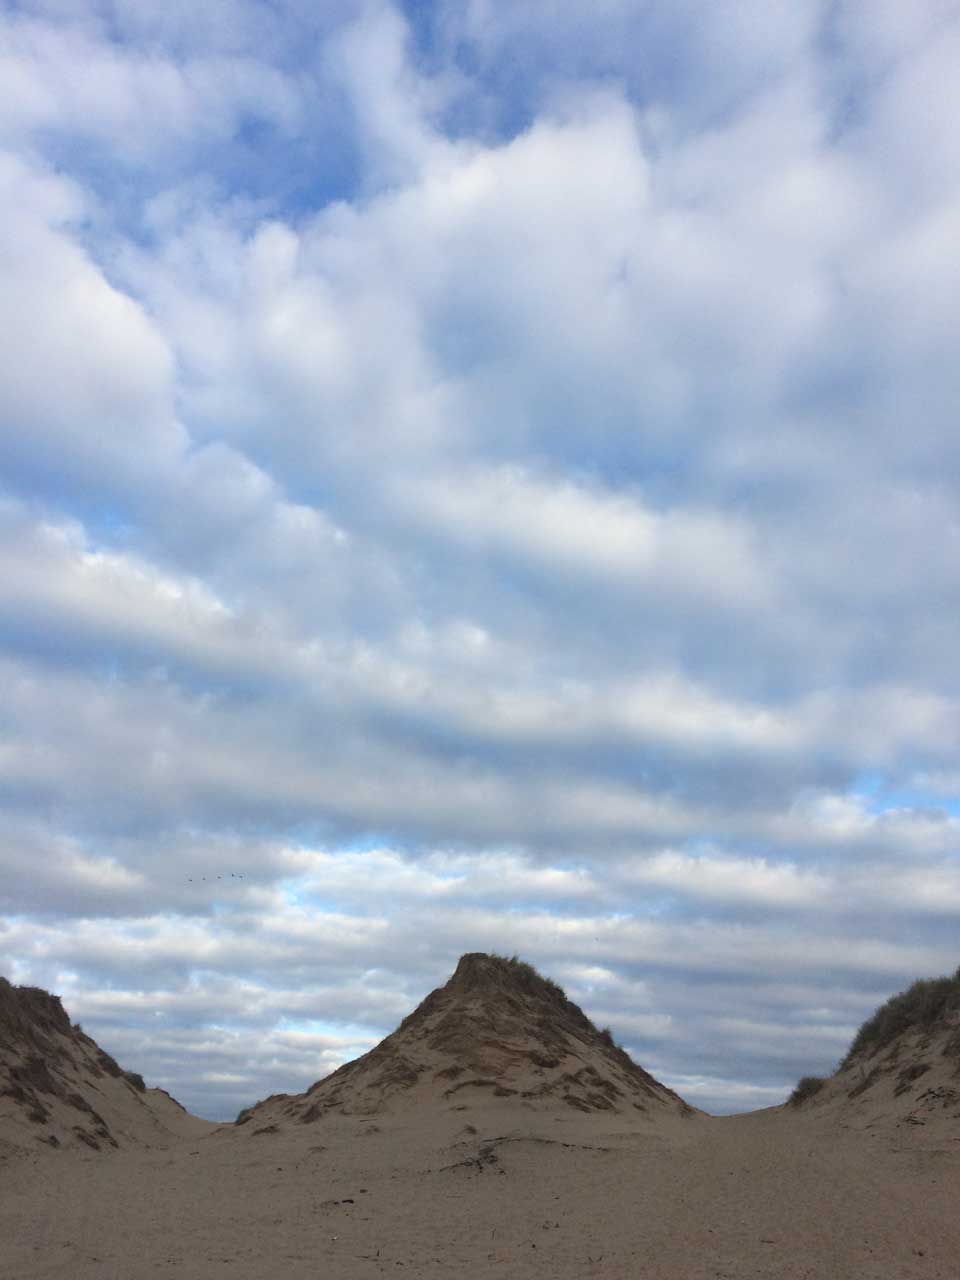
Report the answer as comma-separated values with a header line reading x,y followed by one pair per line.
x,y
386,877
740,880
392,104
140,103
85,376
564,527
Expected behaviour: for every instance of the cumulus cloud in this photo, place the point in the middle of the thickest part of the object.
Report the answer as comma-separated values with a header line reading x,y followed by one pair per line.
x,y
447,510
86,377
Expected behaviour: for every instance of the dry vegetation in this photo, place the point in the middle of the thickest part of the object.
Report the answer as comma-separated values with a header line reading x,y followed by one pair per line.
x,y
924,1003
517,973
922,1006
806,1088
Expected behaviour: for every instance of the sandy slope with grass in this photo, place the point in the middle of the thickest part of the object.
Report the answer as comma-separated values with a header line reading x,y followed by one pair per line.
x,y
903,1067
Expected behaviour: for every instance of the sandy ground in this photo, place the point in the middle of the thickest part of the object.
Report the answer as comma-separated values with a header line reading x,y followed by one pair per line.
x,y
772,1193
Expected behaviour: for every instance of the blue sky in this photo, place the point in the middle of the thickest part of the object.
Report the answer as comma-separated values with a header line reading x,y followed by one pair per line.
x,y
478,477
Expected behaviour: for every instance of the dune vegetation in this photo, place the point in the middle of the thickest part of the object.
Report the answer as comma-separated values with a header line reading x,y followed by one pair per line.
x,y
923,1005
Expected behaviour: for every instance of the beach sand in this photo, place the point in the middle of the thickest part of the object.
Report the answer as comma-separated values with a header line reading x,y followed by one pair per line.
x,y
772,1193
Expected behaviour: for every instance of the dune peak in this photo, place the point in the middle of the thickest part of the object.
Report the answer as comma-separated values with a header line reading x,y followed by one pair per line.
x,y
497,1029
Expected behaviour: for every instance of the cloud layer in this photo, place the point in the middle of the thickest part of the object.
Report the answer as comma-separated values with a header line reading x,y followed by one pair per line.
x,y
445,509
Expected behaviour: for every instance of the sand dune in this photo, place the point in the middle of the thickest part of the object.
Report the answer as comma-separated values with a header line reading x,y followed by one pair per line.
x,y
496,1030
911,1078
395,1174
58,1088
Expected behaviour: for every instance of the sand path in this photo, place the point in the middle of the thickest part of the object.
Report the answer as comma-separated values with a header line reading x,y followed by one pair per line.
x,y
766,1194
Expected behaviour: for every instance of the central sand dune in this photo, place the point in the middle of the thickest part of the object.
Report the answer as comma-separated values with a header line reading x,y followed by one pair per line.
x,y
558,1158
496,1030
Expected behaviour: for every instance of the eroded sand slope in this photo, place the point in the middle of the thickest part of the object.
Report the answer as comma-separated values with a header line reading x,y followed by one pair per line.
x,y
60,1090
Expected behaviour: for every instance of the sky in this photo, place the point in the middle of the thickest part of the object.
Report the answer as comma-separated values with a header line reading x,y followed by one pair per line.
x,y
478,476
